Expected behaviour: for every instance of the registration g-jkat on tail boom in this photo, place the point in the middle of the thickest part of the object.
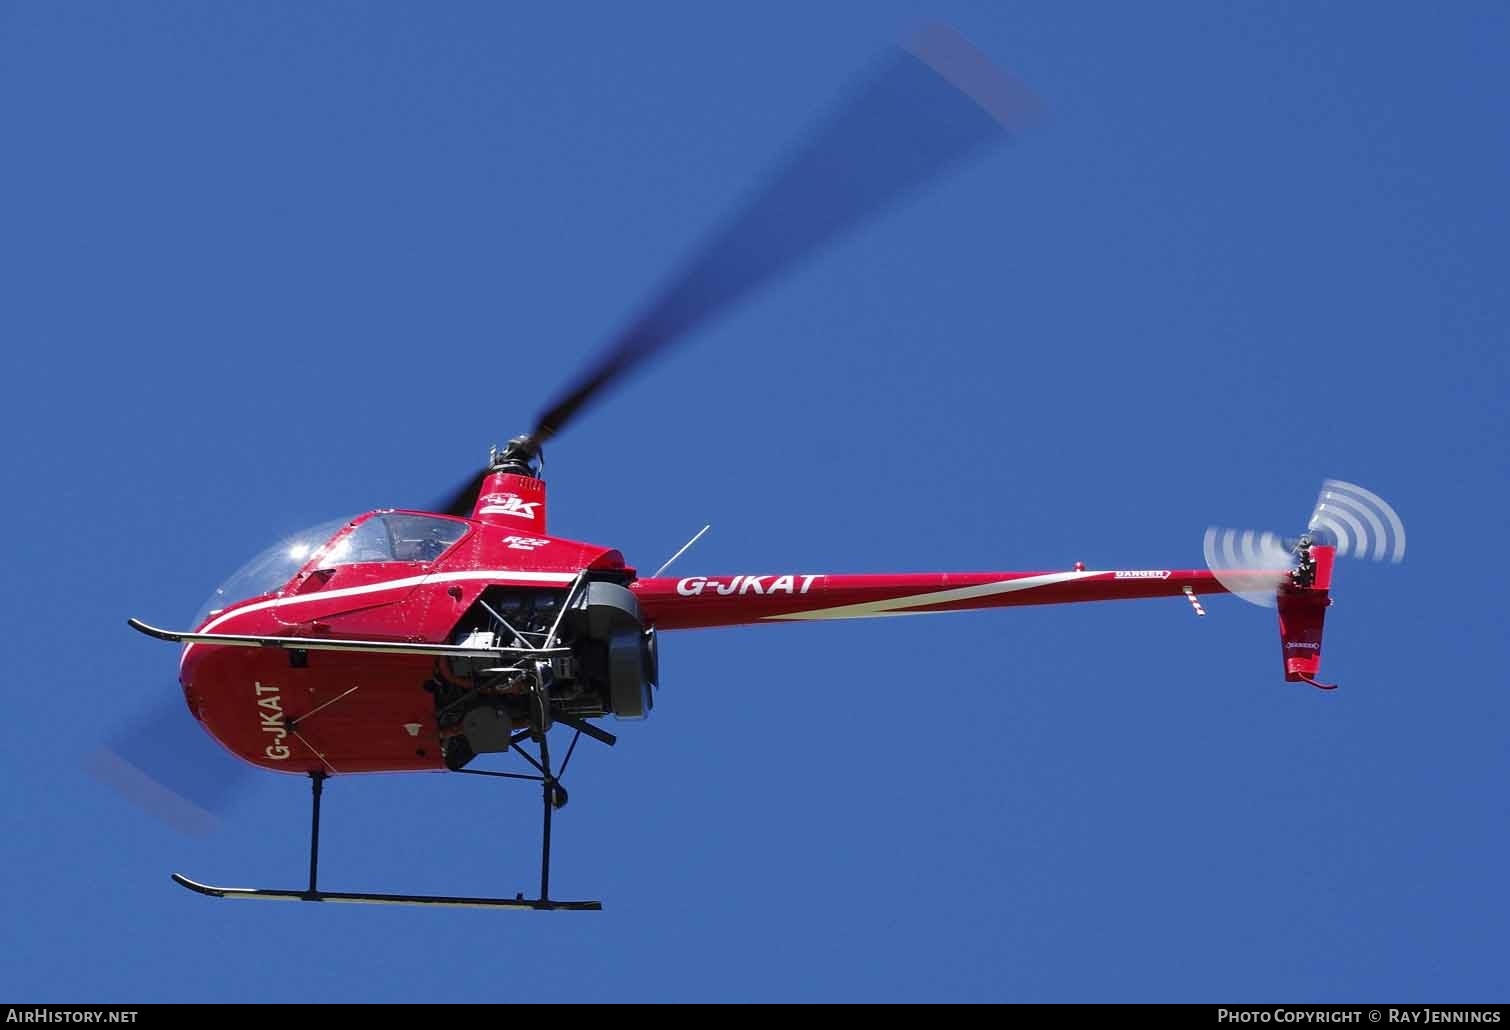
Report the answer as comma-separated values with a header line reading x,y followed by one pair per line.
x,y
433,639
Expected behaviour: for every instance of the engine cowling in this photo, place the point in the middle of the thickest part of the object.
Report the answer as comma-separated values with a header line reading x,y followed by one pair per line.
x,y
616,650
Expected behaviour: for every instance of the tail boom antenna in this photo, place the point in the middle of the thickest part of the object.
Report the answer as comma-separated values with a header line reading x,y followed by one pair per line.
x,y
696,537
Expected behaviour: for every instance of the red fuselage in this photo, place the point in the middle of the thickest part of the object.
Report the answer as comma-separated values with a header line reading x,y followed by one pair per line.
x,y
365,712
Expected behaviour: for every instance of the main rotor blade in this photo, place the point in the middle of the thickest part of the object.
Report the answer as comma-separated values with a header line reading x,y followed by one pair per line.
x,y
167,766
925,108
463,499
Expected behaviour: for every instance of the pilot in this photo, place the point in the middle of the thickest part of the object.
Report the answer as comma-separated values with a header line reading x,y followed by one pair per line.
x,y
426,548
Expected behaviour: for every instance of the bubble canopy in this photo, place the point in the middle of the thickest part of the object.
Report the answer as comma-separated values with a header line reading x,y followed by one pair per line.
x,y
380,536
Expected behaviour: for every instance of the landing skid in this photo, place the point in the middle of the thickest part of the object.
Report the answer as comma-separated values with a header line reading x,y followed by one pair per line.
x,y
554,797
384,899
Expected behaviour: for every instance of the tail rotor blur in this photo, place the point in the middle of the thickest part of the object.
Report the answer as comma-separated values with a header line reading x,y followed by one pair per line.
x,y
1295,575
1356,521
1249,563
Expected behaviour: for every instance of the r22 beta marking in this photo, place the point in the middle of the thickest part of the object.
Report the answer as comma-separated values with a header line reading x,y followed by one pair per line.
x,y
270,712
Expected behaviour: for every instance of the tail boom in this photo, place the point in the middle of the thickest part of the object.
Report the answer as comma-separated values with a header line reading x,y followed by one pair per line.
x,y
694,602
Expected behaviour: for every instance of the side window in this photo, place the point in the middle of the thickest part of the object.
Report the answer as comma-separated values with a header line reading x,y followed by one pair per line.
x,y
420,538
367,543
390,537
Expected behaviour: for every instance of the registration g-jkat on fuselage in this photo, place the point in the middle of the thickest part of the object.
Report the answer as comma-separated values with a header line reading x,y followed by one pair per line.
x,y
414,578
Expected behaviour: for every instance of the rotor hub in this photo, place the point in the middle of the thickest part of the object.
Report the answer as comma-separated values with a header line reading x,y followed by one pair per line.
x,y
521,456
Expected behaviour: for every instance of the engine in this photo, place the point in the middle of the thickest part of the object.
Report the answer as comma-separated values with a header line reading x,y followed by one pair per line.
x,y
612,667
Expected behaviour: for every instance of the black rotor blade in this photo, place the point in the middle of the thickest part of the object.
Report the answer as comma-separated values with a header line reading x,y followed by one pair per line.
x,y
925,108
168,766
463,499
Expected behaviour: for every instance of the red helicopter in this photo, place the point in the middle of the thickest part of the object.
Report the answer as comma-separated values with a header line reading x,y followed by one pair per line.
x,y
408,640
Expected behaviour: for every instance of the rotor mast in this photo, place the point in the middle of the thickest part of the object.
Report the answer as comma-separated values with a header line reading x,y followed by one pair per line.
x,y
512,492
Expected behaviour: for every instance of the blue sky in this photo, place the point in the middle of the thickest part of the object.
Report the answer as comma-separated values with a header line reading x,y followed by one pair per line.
x,y
270,264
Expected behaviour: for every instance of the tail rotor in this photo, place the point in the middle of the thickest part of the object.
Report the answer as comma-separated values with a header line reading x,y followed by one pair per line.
x,y
1358,522
1249,563
1295,576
